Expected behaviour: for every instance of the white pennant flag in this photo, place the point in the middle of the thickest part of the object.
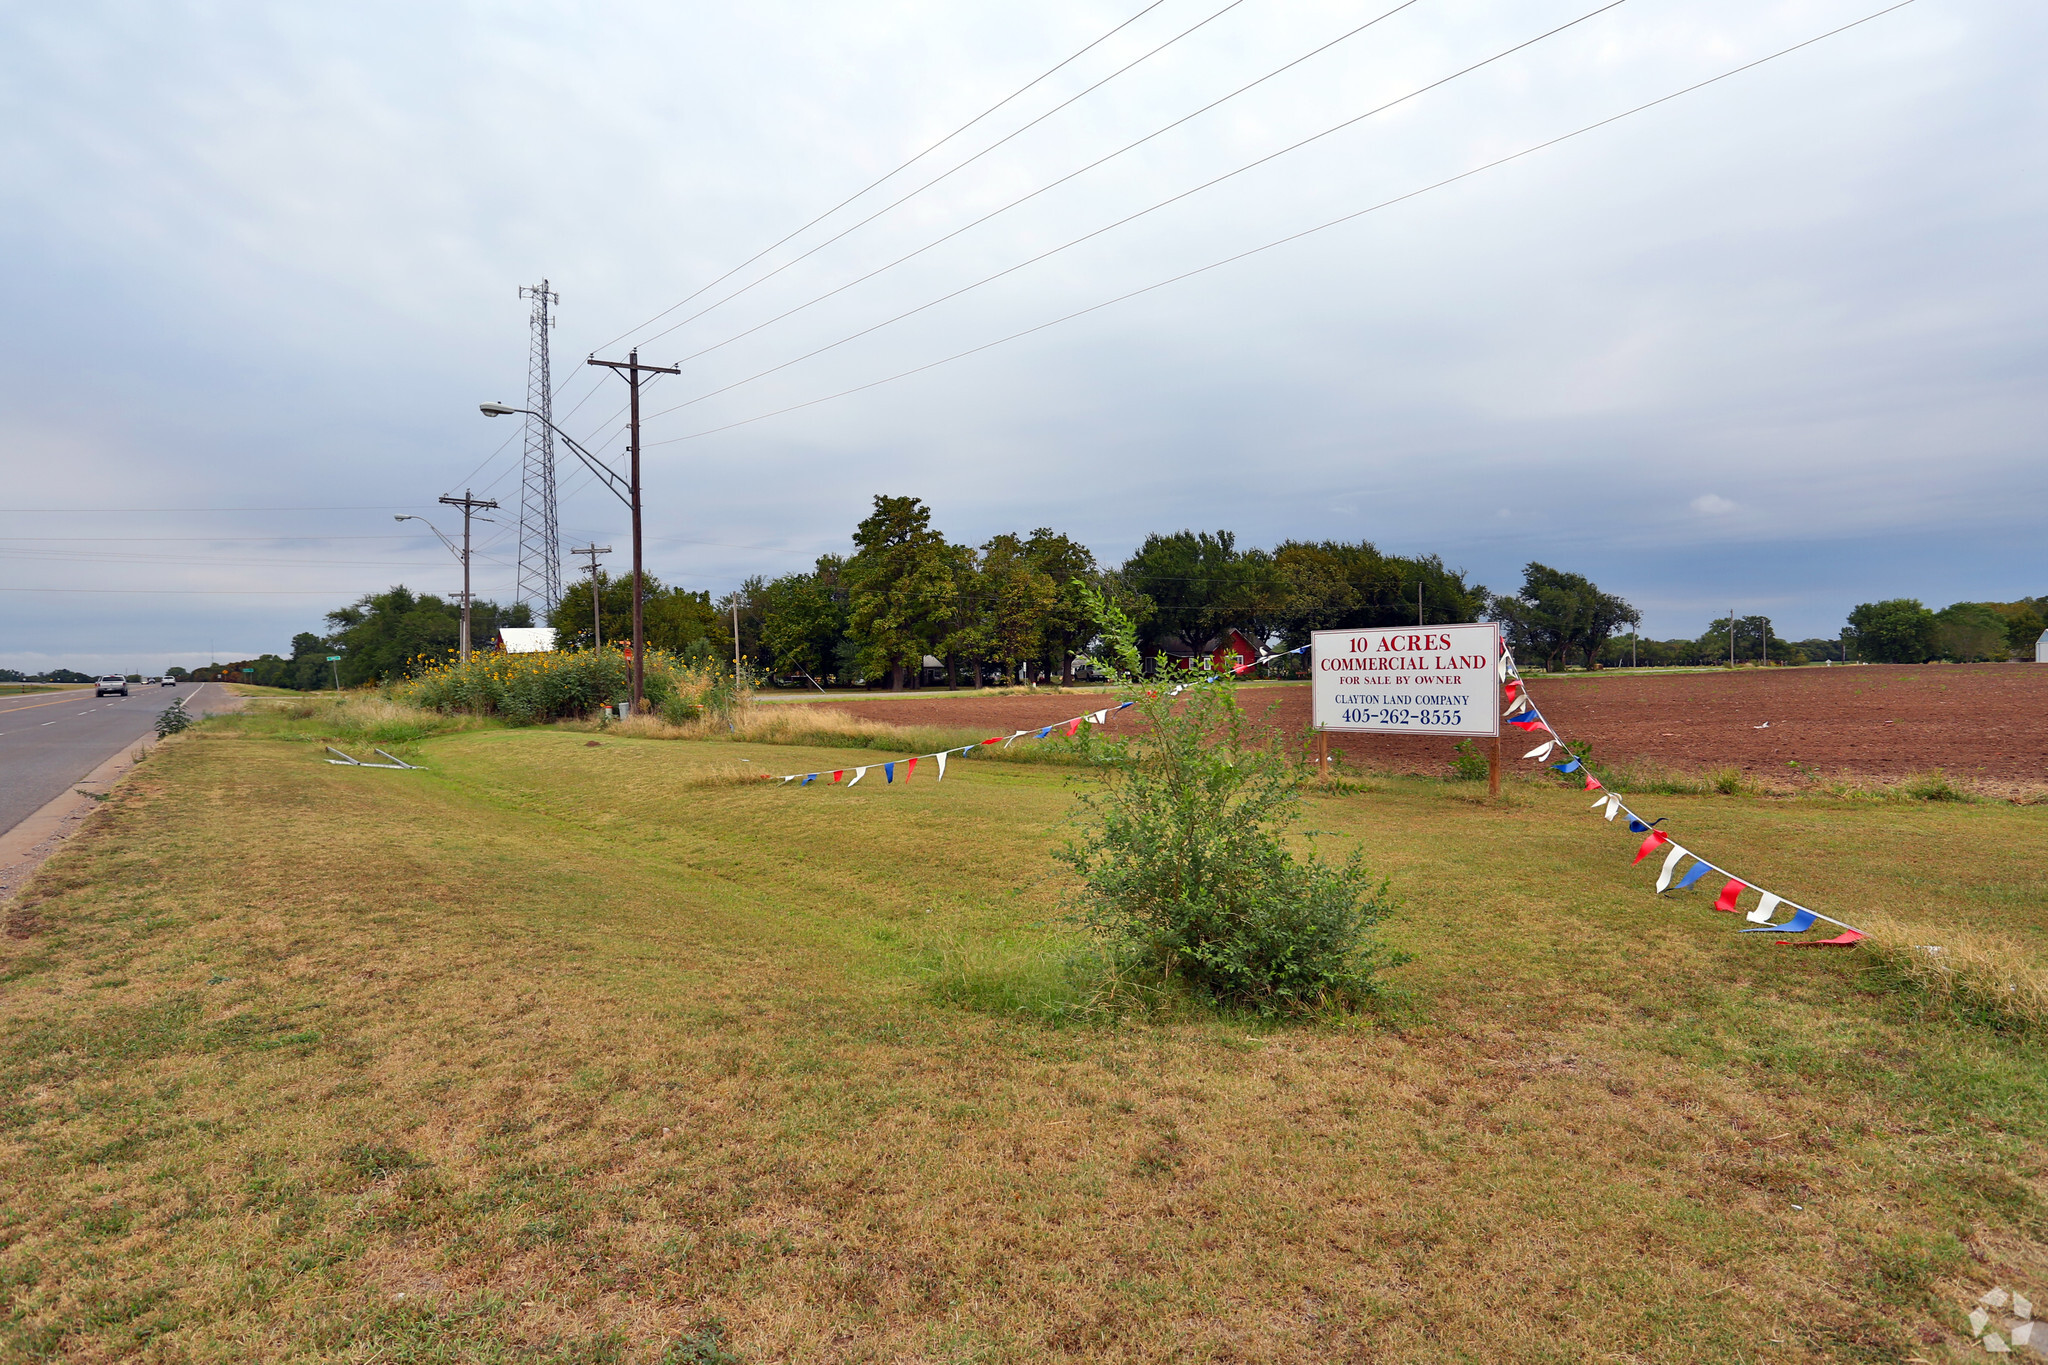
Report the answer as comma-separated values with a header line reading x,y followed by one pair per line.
x,y
1542,751
1613,807
942,764
1599,800
1100,717
858,774
1765,908
1670,866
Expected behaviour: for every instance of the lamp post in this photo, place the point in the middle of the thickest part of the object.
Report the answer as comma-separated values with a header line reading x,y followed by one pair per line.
x,y
626,490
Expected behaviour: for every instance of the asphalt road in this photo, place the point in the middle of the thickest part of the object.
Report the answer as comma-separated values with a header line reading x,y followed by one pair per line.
x,y
50,740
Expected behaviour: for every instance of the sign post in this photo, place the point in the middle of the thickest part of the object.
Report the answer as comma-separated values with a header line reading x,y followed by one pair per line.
x,y
335,660
1419,680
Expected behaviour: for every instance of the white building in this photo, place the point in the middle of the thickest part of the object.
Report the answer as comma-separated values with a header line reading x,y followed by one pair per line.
x,y
527,640
2041,649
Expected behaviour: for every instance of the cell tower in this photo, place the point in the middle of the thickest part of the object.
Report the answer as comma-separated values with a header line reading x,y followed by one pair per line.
x,y
540,544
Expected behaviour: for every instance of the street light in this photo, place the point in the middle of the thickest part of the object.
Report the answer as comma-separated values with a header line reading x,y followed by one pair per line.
x,y
468,504
626,491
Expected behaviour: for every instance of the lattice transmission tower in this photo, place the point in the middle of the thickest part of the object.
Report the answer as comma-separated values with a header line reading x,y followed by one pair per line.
x,y
540,543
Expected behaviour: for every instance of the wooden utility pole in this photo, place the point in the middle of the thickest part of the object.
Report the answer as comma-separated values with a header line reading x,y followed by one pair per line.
x,y
632,369
596,618
469,505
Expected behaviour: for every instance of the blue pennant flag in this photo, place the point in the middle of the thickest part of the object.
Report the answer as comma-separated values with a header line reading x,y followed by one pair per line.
x,y
888,772
1122,704
1699,870
1798,924
808,779
1043,733
1638,827
1570,765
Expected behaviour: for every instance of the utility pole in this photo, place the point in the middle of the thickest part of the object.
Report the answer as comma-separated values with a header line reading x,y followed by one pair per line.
x,y
596,618
539,576
735,638
632,369
469,503
1731,637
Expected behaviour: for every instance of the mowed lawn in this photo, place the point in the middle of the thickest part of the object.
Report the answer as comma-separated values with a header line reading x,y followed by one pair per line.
x,y
572,1053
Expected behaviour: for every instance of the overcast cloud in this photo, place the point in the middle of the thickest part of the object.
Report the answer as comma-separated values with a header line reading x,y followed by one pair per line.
x,y
1775,345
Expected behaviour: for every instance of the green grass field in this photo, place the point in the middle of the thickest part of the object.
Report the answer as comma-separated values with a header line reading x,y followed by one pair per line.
x,y
578,1051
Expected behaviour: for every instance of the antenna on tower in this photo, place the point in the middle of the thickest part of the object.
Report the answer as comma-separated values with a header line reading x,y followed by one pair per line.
x,y
540,545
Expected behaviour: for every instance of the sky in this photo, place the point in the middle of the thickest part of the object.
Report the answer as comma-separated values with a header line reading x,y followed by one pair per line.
x,y
1775,344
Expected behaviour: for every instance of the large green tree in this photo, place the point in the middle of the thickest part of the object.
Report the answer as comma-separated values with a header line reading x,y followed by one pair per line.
x,y
390,634
803,619
1197,584
899,588
1331,585
1898,630
1020,596
1067,624
671,619
1970,632
1558,615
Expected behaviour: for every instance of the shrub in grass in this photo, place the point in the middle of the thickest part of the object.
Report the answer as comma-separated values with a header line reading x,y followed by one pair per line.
x,y
1187,877
1468,764
1933,786
172,719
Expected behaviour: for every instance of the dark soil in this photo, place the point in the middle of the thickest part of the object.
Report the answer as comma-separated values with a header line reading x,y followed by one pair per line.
x,y
1978,721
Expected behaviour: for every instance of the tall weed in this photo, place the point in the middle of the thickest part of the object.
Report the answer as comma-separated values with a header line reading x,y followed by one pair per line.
x,y
1186,875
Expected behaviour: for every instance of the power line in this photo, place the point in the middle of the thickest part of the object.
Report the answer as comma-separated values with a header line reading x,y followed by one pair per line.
x,y
1297,236
1050,71
1129,218
936,179
52,511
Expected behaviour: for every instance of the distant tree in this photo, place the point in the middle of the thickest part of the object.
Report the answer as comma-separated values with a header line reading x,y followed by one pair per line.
x,y
1558,615
1197,584
390,634
670,618
967,639
1020,596
1970,632
803,619
1755,642
1067,624
1898,630
13,675
1331,585
899,587
2023,629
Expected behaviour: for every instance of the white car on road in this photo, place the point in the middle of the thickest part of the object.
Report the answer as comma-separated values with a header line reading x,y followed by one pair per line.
x,y
113,682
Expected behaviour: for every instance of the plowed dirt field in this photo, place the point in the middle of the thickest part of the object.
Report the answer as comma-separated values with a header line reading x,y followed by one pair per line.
x,y
1980,721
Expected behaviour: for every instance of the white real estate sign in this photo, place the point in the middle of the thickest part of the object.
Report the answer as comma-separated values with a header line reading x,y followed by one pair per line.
x,y
1415,680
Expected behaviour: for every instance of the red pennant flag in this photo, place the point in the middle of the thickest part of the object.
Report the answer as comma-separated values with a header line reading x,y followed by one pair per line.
x,y
1512,690
1657,836
1846,939
1729,894
1073,727
1592,783
835,776
1526,725
997,739
908,769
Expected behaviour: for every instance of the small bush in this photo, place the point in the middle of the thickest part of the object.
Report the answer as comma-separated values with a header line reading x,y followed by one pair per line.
x,y
1933,786
1730,782
173,719
1186,874
1468,764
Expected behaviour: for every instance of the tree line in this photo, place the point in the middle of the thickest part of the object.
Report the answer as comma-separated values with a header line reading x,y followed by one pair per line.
x,y
1024,606
908,607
